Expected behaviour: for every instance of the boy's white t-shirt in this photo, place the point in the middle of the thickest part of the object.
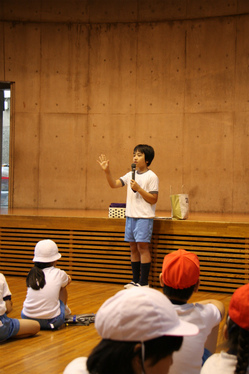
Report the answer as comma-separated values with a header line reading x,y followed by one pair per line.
x,y
4,291
220,363
77,366
44,303
188,359
136,206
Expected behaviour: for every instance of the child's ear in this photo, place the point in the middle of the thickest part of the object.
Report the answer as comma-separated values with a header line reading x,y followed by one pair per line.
x,y
161,279
136,363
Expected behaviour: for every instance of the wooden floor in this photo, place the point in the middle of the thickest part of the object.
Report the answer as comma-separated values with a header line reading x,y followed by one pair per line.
x,y
50,352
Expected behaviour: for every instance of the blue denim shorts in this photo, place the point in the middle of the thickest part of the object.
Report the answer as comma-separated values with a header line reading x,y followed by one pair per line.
x,y
138,230
52,323
8,327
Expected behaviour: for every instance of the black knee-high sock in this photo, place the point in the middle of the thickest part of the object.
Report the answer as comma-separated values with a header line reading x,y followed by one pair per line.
x,y
145,270
135,271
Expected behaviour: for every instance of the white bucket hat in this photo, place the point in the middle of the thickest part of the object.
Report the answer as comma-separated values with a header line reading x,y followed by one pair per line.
x,y
46,251
140,314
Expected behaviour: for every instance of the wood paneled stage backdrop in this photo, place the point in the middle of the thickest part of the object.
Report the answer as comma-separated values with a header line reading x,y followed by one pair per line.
x,y
93,247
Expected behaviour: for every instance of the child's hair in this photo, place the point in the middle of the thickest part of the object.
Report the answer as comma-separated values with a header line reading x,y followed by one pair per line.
x,y
36,278
179,294
238,344
112,356
148,152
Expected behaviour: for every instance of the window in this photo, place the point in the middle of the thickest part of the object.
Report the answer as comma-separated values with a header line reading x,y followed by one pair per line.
x,y
4,141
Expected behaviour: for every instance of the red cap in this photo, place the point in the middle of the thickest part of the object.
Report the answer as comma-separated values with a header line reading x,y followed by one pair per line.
x,y
239,307
181,269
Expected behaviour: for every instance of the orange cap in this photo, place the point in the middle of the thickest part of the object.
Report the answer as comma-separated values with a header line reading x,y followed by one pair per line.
x,y
239,307
181,269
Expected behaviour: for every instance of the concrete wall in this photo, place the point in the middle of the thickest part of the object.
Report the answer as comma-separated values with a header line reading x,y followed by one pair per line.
x,y
99,76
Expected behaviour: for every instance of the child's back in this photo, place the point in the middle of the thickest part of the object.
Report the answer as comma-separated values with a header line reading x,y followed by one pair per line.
x,y
189,358
180,278
45,303
236,332
46,299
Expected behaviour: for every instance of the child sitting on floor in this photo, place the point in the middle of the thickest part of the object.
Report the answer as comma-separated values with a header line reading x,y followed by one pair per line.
x,y
236,359
46,299
179,279
140,330
12,327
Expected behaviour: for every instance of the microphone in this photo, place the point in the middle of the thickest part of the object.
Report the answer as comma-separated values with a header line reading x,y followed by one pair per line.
x,y
133,168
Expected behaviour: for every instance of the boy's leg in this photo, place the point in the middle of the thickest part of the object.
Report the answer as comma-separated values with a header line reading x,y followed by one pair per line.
x,y
135,262
145,256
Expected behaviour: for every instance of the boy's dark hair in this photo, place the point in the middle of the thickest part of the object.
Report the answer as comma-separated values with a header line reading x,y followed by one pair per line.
x,y
116,357
179,294
148,151
36,278
238,343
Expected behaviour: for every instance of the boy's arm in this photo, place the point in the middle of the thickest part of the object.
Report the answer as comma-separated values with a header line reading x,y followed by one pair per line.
x,y
8,306
104,163
8,303
69,279
149,197
217,303
212,338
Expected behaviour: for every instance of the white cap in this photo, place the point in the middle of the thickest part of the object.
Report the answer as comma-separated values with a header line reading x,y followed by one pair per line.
x,y
140,314
46,251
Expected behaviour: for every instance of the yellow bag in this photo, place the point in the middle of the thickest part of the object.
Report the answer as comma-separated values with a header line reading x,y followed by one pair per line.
x,y
179,206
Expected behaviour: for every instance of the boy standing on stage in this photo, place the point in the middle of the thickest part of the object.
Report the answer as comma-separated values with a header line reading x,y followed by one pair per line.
x,y
142,195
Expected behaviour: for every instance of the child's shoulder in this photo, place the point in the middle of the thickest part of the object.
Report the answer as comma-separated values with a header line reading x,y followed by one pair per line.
x,y
152,174
3,280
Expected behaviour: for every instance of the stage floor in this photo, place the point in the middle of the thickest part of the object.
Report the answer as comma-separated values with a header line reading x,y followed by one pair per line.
x,y
193,216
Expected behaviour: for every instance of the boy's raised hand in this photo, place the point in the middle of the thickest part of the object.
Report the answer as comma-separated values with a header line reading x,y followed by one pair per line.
x,y
104,163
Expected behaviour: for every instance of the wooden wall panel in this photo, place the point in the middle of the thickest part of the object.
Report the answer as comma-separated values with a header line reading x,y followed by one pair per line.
x,y
65,11
103,79
114,136
241,165
21,10
208,161
62,180
101,11
160,68
242,65
242,6
168,162
159,10
26,159
23,64
211,8
110,10
64,68
112,69
210,65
